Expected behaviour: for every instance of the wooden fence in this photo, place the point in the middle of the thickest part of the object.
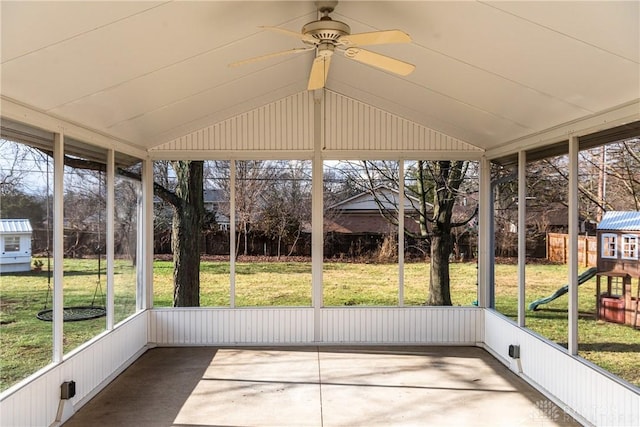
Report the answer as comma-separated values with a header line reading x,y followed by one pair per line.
x,y
558,249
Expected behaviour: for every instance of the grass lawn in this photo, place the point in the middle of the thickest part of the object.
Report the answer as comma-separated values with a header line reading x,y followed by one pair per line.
x,y
25,342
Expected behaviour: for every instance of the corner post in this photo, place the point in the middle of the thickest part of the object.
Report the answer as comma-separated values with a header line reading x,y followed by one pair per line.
x,y
110,237
522,234
58,246
317,216
145,288
573,245
485,247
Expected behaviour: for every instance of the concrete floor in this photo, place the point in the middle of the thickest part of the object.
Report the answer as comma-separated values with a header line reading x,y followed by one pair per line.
x,y
319,386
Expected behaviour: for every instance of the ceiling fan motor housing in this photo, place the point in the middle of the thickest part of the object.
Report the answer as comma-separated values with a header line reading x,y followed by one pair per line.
x,y
326,30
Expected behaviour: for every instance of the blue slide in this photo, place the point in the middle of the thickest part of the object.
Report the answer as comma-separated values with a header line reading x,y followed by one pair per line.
x,y
563,290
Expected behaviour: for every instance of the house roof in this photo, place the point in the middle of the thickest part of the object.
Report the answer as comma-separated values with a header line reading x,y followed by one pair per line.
x,y
620,221
388,199
15,226
214,195
497,76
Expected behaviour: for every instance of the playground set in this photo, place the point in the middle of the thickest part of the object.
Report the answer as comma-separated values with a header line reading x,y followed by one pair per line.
x,y
618,265
618,262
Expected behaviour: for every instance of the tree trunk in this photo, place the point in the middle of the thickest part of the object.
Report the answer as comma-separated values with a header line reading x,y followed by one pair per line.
x,y
186,234
246,239
439,289
447,177
279,246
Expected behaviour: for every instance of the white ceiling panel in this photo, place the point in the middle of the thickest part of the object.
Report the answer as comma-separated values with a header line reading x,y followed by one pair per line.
x,y
486,72
590,23
58,21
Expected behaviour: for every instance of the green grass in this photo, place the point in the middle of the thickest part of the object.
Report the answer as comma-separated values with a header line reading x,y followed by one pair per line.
x,y
25,342
613,347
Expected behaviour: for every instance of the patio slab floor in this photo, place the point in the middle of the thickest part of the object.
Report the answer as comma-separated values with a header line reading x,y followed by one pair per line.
x,y
319,386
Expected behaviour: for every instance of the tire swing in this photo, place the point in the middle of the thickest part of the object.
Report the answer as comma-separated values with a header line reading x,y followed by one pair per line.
x,y
78,312
81,312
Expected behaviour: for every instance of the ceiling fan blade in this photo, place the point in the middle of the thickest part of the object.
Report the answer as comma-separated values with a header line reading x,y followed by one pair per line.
x,y
380,61
375,37
319,72
290,33
272,55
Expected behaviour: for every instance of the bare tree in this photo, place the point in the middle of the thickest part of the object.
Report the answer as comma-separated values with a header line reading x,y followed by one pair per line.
x,y
252,177
286,204
609,178
433,187
22,192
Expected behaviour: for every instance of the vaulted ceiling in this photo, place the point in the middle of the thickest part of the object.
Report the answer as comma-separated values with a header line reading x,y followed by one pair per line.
x,y
488,73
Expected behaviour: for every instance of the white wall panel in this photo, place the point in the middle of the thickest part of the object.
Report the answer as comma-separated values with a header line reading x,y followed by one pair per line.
x,y
269,326
34,401
219,326
402,325
284,125
287,126
352,125
581,388
584,390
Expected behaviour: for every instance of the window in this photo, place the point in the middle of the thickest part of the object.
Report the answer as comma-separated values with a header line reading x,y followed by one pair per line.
x,y
609,246
629,246
12,244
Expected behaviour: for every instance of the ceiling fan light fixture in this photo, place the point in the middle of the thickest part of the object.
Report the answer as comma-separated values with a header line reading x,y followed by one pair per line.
x,y
325,49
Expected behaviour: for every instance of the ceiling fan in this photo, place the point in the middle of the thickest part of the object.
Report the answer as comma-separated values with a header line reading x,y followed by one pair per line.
x,y
326,36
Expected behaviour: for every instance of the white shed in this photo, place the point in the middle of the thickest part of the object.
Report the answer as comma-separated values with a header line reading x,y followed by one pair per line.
x,y
15,245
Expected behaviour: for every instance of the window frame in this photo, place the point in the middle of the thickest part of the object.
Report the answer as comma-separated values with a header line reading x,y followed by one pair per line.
x,y
604,253
629,250
8,247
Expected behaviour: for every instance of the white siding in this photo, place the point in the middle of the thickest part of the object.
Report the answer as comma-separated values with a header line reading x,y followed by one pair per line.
x,y
284,125
582,389
287,125
269,326
214,326
352,125
402,325
34,402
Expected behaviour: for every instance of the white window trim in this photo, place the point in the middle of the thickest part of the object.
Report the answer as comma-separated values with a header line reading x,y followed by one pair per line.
x,y
634,254
12,239
605,247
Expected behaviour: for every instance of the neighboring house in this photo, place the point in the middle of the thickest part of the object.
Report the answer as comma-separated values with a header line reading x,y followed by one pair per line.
x,y
360,223
542,221
217,202
363,213
552,218
214,201
15,245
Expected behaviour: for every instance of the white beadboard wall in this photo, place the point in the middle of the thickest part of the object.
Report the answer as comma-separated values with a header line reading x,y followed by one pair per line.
x,y
293,326
287,125
225,326
284,125
351,125
581,388
34,401
401,325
